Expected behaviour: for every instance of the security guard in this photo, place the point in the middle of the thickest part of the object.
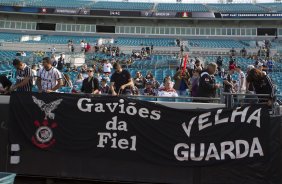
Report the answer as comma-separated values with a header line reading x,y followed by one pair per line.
x,y
207,85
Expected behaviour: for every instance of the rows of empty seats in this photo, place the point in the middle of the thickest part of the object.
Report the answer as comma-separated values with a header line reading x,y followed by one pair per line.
x,y
181,7
273,7
164,42
204,43
237,8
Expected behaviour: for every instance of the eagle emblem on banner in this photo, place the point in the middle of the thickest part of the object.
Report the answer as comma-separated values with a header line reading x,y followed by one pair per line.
x,y
47,108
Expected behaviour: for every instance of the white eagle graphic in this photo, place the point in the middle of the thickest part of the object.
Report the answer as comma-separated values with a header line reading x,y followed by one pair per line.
x,y
47,108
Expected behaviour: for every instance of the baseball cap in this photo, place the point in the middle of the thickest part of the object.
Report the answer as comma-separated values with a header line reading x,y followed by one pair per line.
x,y
260,64
249,67
232,67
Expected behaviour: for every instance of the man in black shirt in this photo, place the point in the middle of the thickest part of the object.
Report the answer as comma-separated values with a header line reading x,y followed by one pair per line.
x,y
120,80
23,76
228,86
90,84
207,84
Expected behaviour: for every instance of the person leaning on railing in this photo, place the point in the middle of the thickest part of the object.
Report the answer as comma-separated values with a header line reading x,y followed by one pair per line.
x,y
262,84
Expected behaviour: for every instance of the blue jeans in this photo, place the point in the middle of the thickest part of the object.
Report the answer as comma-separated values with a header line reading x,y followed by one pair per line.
x,y
181,92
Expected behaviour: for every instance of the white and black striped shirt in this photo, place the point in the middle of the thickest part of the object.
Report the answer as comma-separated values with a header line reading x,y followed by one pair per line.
x,y
21,75
49,78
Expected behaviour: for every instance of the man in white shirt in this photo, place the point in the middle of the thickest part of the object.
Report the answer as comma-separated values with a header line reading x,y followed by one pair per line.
x,y
82,46
107,67
167,90
49,79
241,80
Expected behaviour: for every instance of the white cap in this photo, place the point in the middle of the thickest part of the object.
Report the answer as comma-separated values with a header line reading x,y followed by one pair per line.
x,y
249,67
260,64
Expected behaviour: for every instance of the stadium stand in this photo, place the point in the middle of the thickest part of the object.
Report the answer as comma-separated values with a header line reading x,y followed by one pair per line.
x,y
122,5
204,43
272,7
181,7
236,8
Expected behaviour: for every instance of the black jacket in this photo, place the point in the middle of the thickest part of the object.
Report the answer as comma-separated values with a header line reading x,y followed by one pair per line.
x,y
89,86
206,85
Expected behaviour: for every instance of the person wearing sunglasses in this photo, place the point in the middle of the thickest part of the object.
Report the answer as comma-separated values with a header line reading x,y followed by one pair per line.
x,y
90,84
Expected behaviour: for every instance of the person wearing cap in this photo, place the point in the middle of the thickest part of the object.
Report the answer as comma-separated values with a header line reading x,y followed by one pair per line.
x,y
207,84
23,76
91,83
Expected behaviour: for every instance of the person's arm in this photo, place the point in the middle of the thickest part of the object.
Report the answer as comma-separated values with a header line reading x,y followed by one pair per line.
x,y
39,85
58,86
130,83
26,80
241,83
113,89
177,75
95,89
226,82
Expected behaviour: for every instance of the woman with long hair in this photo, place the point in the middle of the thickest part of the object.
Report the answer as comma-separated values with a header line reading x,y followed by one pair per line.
x,y
67,81
262,84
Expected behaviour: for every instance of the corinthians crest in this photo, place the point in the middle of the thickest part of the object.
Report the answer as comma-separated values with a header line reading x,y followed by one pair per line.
x,y
43,137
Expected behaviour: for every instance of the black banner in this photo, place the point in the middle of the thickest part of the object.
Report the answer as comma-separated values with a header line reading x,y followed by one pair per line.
x,y
123,139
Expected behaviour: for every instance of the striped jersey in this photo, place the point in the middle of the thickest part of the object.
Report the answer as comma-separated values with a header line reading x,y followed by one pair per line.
x,y
21,75
49,78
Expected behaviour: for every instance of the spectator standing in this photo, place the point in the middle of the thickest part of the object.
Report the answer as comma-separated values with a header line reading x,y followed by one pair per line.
x,y
49,78
181,79
82,46
243,52
228,86
270,65
195,83
61,63
34,74
23,76
207,84
107,67
241,80
90,84
120,80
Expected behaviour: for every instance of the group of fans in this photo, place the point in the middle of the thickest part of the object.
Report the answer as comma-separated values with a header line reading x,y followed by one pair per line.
x,y
190,78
